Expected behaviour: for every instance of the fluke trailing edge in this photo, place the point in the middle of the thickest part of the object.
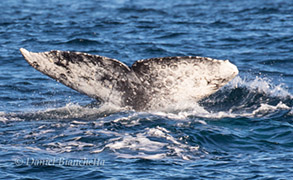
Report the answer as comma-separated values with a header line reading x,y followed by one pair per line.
x,y
148,84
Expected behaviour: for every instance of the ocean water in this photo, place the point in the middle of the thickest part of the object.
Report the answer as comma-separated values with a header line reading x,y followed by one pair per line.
x,y
244,131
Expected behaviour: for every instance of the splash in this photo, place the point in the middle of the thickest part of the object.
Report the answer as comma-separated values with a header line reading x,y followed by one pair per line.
x,y
261,85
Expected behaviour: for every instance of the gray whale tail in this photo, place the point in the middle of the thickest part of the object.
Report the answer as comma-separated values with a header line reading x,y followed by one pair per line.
x,y
149,84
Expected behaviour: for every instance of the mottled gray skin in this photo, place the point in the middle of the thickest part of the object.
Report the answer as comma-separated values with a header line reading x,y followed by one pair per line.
x,y
149,84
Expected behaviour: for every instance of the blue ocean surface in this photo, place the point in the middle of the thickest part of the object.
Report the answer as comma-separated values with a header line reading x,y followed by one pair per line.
x,y
244,131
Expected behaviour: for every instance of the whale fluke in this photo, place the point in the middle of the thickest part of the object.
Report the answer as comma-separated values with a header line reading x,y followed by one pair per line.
x,y
149,84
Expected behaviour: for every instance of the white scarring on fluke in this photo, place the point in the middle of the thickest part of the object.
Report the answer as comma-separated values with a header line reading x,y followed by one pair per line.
x,y
149,84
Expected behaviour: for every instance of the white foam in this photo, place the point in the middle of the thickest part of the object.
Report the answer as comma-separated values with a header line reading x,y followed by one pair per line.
x,y
259,112
265,108
141,145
